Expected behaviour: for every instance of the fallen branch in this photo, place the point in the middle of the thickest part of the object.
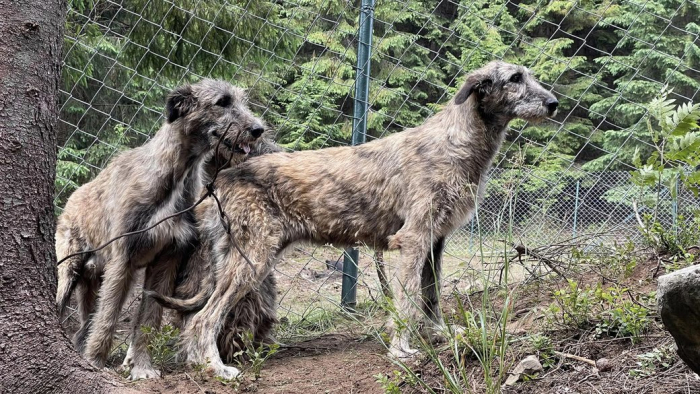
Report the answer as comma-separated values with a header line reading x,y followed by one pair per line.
x,y
602,364
522,250
575,357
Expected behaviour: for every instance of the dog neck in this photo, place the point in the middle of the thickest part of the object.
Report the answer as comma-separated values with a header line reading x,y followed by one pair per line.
x,y
181,162
472,137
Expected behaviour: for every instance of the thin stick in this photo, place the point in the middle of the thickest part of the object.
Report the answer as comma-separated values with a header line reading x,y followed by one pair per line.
x,y
530,252
575,357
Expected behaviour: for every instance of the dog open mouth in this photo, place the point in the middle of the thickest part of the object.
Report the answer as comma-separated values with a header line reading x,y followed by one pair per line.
x,y
242,148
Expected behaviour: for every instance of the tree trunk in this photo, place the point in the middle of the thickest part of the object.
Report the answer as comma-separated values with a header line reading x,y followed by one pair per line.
x,y
35,354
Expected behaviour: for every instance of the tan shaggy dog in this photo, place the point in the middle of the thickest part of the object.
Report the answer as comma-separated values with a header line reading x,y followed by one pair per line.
x,y
138,188
407,191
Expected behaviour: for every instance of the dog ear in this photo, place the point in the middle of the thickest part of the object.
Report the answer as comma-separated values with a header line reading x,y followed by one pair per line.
x,y
179,103
475,83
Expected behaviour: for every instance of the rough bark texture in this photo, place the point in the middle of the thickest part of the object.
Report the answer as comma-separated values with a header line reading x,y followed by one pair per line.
x,y
35,355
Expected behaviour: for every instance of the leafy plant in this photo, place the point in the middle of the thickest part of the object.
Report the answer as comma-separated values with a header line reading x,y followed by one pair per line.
x,y
393,384
162,346
256,355
545,349
571,306
657,360
611,310
621,316
675,137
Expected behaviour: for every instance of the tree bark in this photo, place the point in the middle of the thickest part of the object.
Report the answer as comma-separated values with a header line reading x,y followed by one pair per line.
x,y
35,354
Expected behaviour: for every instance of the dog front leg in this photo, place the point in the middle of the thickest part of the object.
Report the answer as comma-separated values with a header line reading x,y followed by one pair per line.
x,y
159,277
113,292
413,248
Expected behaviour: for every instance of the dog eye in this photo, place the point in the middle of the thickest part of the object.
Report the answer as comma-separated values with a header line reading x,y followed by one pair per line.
x,y
516,78
224,101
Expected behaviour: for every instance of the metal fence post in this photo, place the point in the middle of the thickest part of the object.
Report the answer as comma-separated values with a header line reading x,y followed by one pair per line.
x,y
348,297
578,184
674,206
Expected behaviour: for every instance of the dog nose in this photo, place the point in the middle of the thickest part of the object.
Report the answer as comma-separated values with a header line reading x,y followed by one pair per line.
x,y
551,104
256,131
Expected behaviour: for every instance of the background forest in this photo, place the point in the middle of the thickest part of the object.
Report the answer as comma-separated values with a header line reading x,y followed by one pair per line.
x,y
604,59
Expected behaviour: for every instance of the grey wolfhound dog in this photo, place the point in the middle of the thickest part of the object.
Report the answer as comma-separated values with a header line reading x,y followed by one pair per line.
x,y
138,188
407,191
256,313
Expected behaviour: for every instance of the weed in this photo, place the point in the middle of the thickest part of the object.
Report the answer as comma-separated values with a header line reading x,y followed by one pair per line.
x,y
257,355
162,346
657,360
571,306
624,318
393,385
233,383
673,242
611,310
544,348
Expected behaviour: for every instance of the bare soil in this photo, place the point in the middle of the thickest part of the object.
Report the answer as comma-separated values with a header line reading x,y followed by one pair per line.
x,y
332,363
343,356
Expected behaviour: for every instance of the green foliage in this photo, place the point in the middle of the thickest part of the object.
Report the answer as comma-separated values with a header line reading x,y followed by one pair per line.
x,y
545,349
478,336
657,360
675,160
393,384
675,135
612,311
674,243
162,346
256,355
622,316
571,306
648,54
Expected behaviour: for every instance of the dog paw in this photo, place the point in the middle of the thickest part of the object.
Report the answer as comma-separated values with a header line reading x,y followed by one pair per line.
x,y
224,372
139,372
434,335
128,361
403,354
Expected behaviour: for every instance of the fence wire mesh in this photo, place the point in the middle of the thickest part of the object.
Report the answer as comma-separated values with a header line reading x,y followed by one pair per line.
x,y
604,59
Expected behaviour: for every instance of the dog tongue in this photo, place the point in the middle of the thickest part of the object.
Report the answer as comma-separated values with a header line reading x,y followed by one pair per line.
x,y
245,147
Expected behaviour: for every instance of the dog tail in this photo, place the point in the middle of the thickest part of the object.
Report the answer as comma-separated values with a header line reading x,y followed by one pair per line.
x,y
68,274
184,305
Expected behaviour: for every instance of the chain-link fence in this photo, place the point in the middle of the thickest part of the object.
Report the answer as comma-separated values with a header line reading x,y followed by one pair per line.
x,y
604,60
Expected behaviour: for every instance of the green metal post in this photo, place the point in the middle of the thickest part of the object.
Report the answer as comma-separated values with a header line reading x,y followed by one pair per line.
x,y
578,183
674,207
348,298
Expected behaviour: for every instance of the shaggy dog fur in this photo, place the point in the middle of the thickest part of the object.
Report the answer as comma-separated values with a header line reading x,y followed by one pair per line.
x,y
407,191
138,188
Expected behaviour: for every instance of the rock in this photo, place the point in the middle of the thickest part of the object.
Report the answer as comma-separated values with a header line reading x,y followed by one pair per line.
x,y
603,364
530,365
678,299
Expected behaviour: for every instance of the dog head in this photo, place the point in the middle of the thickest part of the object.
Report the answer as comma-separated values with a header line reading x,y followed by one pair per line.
x,y
507,91
214,113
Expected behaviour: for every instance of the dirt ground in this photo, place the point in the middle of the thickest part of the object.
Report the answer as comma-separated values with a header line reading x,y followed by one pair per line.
x,y
327,352
332,363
